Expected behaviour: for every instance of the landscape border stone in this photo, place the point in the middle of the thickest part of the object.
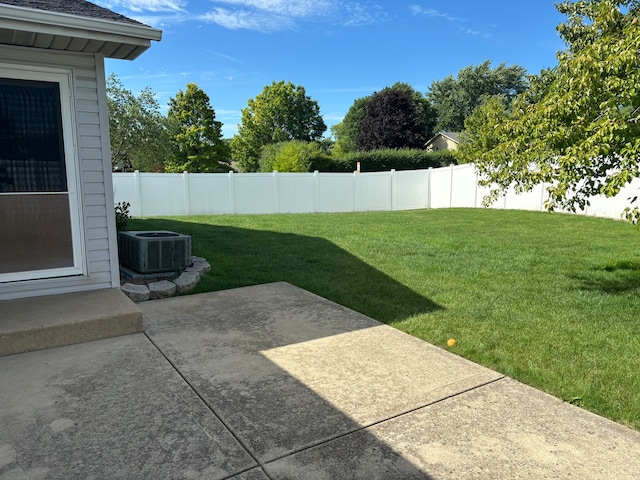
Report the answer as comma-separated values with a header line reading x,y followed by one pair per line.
x,y
161,289
163,285
137,293
186,282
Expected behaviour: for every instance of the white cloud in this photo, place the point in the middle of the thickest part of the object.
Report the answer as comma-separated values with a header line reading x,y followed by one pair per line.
x,y
430,12
290,8
229,114
258,15
272,15
355,14
333,117
157,13
247,20
476,33
222,55
146,5
417,10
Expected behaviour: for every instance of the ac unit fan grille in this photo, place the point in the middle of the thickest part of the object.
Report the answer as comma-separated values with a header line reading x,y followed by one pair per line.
x,y
153,252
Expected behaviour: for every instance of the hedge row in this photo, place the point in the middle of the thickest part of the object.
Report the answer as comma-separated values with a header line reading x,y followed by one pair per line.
x,y
385,160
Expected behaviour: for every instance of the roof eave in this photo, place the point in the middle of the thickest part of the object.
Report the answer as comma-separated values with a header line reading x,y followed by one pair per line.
x,y
448,135
136,37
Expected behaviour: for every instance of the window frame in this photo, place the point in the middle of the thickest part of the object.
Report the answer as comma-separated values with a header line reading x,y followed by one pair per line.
x,y
64,79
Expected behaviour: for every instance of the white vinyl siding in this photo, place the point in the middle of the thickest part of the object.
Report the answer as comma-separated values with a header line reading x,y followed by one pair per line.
x,y
93,170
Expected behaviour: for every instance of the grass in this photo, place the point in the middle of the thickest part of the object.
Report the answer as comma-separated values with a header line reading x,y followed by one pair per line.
x,y
551,300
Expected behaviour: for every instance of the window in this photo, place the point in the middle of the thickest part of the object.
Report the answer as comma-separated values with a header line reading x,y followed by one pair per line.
x,y
31,143
40,234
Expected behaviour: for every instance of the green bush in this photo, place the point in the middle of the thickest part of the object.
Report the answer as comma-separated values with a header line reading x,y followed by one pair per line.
x,y
396,159
293,156
299,156
122,215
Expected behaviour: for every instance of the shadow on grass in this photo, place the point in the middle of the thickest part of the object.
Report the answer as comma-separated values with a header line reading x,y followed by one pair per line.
x,y
617,278
242,257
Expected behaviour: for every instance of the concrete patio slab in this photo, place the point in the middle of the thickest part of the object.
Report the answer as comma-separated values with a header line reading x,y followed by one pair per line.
x,y
308,362
271,383
108,409
503,430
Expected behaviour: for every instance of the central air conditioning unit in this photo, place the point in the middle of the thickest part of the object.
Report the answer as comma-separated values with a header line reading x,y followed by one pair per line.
x,y
153,252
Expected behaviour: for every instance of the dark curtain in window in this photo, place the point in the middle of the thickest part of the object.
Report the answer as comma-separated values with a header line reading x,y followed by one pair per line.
x,y
31,144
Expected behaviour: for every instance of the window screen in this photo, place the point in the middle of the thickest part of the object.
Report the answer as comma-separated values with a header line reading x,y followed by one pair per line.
x,y
31,143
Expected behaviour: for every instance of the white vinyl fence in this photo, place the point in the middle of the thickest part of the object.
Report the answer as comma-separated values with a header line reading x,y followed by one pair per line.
x,y
168,194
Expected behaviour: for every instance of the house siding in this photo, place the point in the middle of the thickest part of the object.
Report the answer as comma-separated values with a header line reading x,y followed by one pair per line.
x,y
441,143
93,169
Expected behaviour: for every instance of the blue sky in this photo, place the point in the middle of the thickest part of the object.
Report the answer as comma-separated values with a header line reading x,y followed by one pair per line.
x,y
338,50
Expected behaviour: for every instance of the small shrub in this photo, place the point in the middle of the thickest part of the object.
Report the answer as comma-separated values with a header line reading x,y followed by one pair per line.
x,y
122,215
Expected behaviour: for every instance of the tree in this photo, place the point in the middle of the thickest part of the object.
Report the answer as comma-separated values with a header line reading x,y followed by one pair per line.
x,y
292,156
425,114
197,144
137,129
348,129
418,113
578,129
391,121
280,113
455,99
480,132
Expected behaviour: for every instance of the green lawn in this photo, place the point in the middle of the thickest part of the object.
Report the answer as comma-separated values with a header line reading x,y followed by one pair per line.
x,y
548,299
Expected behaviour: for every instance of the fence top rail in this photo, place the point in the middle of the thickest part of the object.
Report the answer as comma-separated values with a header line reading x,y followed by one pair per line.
x,y
275,172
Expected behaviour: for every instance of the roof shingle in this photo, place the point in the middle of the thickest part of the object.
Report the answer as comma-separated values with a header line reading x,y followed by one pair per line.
x,y
81,8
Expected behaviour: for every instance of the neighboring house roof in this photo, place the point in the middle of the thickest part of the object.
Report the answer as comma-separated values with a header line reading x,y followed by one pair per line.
x,y
455,136
451,136
75,26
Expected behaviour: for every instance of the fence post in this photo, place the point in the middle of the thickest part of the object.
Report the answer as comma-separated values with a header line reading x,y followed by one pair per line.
x,y
186,191
393,189
355,190
137,187
316,191
429,187
232,193
276,201
450,185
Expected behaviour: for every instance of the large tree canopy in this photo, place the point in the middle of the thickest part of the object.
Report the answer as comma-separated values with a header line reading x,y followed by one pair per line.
x,y
578,128
391,121
138,131
396,117
455,98
282,112
197,144
348,129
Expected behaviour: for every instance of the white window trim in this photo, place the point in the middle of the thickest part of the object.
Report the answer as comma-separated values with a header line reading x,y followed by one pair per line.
x,y
64,79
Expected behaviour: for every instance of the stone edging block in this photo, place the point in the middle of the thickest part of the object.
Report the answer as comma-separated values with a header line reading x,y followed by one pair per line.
x,y
201,264
186,282
137,293
161,289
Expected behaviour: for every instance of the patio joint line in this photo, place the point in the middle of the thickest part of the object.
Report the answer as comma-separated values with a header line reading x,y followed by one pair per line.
x,y
384,420
202,399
